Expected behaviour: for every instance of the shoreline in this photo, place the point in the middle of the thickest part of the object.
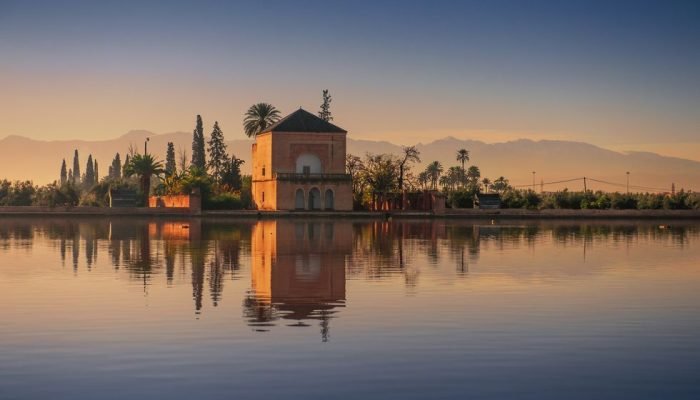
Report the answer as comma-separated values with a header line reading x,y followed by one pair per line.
x,y
448,214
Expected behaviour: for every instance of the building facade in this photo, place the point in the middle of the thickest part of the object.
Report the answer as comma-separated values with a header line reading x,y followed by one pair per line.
x,y
299,164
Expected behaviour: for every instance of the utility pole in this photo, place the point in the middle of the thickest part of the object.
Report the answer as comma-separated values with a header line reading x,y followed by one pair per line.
x,y
541,185
533,181
584,185
673,189
628,182
145,146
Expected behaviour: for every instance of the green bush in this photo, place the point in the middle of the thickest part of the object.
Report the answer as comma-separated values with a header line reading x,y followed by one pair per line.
x,y
223,201
461,199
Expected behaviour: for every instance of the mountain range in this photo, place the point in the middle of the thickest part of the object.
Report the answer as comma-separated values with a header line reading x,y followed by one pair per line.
x,y
552,160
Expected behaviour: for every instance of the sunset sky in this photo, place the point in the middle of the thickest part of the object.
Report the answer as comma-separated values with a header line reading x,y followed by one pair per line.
x,y
620,74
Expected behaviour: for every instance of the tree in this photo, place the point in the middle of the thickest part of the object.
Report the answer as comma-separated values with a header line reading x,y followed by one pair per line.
x,y
487,184
500,185
354,166
434,170
217,152
325,113
97,173
170,167
231,173
70,175
410,154
380,172
473,175
144,166
198,151
259,117
116,168
89,180
64,173
423,179
463,157
76,168
126,162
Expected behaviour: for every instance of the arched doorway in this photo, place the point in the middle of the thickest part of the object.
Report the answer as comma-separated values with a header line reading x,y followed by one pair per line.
x,y
299,199
329,199
314,199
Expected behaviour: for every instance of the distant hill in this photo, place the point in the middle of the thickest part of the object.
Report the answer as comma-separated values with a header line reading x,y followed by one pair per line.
x,y
23,158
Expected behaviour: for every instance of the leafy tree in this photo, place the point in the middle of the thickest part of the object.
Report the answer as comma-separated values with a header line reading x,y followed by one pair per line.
x,y
64,172
410,155
116,168
144,166
89,180
354,166
170,167
76,168
231,173
325,113
198,151
259,117
217,153
380,172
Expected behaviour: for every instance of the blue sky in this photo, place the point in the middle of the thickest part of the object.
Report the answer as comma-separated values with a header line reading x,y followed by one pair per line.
x,y
614,73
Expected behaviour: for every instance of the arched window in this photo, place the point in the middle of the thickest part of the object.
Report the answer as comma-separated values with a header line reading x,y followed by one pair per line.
x,y
299,199
329,200
314,199
308,164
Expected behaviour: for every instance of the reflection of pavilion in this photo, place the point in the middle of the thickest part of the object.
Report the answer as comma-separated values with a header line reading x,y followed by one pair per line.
x,y
298,271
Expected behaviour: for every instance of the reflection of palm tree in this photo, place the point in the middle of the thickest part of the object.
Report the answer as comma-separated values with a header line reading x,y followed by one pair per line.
x,y
259,117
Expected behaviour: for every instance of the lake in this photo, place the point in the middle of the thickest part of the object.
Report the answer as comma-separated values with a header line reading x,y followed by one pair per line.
x,y
320,309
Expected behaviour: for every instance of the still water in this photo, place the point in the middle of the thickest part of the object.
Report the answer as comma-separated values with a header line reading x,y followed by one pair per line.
x,y
136,308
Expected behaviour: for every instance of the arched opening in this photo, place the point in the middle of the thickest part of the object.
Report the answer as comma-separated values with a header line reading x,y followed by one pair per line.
x,y
308,164
299,199
314,199
329,199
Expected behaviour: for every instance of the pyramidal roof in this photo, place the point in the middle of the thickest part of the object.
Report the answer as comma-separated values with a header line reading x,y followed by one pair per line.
x,y
303,121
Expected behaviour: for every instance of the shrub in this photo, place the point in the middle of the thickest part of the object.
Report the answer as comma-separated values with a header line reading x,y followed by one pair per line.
x,y
461,199
223,201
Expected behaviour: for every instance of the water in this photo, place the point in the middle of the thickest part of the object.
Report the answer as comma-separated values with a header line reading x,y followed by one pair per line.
x,y
135,308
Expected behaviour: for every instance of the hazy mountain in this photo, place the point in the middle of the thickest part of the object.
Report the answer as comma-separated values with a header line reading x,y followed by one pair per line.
x,y
22,158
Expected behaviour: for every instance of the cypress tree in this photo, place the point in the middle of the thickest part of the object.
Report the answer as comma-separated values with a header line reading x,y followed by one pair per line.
x,y
126,162
70,175
97,173
64,173
170,167
89,180
325,113
76,168
198,151
116,167
217,152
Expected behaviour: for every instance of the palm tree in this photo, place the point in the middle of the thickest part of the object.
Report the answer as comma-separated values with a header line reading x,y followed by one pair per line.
x,y
463,156
423,179
145,166
259,117
486,182
434,170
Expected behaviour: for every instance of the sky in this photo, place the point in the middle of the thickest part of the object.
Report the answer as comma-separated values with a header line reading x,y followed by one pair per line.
x,y
620,74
